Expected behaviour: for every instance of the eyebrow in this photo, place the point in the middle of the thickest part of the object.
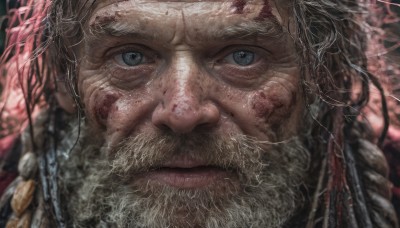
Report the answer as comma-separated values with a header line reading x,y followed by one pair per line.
x,y
245,30
107,25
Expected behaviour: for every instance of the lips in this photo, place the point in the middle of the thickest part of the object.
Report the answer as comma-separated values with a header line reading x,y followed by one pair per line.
x,y
185,173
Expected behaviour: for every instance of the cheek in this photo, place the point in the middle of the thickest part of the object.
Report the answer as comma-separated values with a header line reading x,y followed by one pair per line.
x,y
105,105
261,105
273,106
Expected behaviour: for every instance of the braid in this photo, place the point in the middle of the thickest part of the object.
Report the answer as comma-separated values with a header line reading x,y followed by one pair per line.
x,y
332,43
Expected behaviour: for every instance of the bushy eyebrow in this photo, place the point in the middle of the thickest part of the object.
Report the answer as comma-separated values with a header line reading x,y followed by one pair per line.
x,y
245,30
107,25
111,25
119,29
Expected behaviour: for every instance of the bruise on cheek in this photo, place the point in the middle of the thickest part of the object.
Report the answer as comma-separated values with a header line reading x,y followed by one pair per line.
x,y
266,12
273,106
261,106
239,6
105,105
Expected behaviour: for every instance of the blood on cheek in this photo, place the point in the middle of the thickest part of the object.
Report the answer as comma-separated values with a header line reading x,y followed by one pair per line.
x,y
105,105
267,105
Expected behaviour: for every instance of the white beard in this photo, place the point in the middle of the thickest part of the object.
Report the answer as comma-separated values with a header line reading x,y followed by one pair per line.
x,y
96,190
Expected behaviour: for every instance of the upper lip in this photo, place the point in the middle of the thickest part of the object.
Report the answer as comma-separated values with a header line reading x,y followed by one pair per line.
x,y
183,161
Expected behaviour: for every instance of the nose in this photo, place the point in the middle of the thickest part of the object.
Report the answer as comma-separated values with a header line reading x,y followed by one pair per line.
x,y
185,105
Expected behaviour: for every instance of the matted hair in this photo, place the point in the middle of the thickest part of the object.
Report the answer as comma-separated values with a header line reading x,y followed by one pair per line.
x,y
332,39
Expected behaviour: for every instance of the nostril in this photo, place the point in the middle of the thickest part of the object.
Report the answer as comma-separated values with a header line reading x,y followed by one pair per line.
x,y
164,128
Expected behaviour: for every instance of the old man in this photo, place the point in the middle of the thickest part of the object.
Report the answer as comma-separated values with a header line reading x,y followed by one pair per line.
x,y
236,113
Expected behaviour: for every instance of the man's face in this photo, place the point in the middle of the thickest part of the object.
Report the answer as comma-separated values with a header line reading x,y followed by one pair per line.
x,y
198,104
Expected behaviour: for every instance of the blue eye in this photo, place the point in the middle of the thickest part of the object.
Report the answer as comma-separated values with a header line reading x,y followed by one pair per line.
x,y
131,58
243,58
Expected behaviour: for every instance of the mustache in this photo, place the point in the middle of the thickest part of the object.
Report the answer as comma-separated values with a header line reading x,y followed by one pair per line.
x,y
239,153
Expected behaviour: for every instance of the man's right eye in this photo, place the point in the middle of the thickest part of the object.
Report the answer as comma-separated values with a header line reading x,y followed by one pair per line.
x,y
131,58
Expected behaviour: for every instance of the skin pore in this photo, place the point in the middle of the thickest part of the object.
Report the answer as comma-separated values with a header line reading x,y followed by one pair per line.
x,y
199,108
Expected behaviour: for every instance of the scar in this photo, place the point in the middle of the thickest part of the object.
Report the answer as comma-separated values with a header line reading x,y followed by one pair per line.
x,y
104,107
239,5
266,12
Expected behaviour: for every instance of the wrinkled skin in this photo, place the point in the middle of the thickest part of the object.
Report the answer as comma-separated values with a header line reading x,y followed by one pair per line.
x,y
188,80
221,68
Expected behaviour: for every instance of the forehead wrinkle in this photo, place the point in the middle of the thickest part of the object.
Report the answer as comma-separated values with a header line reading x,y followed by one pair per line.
x,y
112,23
250,29
179,32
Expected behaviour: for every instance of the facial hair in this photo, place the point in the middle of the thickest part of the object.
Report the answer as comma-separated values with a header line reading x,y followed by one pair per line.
x,y
100,186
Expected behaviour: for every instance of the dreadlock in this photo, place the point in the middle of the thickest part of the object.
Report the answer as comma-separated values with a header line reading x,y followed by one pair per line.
x,y
332,43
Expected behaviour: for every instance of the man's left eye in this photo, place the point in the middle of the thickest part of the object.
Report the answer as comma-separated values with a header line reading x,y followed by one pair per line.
x,y
131,58
241,57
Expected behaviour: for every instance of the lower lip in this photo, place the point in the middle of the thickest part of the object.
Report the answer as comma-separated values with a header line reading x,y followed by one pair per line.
x,y
187,178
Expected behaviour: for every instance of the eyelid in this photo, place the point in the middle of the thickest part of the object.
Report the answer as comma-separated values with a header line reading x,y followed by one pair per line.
x,y
229,58
259,52
144,50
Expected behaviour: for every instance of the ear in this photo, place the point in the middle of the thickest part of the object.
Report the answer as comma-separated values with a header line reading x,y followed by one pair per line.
x,y
64,98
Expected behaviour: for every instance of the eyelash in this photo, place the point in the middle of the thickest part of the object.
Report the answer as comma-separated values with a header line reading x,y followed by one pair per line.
x,y
224,52
147,53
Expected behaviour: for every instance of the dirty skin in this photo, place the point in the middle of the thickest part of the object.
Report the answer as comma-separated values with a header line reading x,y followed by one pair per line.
x,y
101,21
266,11
272,110
239,6
265,105
105,106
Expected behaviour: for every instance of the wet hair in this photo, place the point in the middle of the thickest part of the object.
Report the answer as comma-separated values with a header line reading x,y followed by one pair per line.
x,y
331,36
